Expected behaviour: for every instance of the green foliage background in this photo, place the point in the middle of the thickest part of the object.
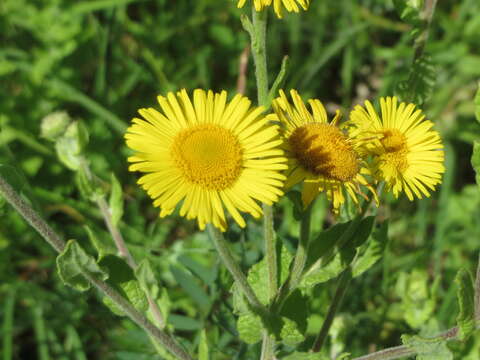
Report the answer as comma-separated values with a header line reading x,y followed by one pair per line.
x,y
101,60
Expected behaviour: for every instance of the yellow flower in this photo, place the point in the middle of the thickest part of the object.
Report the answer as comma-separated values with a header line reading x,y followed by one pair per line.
x,y
407,154
290,5
319,152
211,154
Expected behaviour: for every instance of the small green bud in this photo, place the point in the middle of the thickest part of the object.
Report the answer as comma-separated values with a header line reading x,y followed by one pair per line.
x,y
54,125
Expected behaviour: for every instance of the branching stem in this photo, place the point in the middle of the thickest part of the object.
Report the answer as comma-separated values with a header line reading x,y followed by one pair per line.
x,y
34,219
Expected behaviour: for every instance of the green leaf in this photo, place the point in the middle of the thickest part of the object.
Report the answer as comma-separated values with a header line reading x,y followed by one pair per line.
x,y
466,304
250,328
203,353
325,242
123,280
68,152
428,349
409,11
306,356
116,200
258,275
191,287
334,250
146,278
279,80
84,185
290,333
296,309
296,199
418,297
73,262
477,104
476,160
418,87
373,250
292,323
103,248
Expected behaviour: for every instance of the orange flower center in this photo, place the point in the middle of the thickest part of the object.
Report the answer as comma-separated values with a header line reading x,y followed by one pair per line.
x,y
324,150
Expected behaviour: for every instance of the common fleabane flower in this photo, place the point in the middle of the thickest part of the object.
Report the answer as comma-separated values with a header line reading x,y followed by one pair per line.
x,y
406,153
278,5
320,154
210,155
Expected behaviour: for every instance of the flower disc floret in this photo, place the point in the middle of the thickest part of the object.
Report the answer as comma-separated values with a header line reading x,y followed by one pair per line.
x,y
406,153
324,150
319,153
210,156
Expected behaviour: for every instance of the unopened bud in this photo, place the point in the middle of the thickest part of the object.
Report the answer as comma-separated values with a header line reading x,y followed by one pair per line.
x,y
54,125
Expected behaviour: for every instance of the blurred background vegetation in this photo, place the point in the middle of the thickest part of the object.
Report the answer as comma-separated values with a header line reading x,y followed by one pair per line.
x,y
101,60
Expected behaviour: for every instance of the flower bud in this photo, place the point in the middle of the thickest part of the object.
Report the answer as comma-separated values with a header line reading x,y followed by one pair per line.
x,y
54,125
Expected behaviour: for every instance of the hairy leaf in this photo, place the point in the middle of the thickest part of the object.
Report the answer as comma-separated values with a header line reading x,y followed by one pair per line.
x,y
466,304
73,262
373,250
116,200
419,85
428,349
123,280
250,328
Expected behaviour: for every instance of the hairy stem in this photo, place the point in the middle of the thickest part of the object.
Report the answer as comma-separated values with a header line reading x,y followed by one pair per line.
x,y
342,286
398,352
30,215
232,266
116,235
125,253
259,52
34,219
258,34
301,254
268,347
270,251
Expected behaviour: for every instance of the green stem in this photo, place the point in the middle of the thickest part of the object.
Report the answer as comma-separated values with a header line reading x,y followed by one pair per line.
x,y
301,254
258,34
402,351
115,233
343,283
259,52
140,319
30,215
268,347
270,251
234,269
58,244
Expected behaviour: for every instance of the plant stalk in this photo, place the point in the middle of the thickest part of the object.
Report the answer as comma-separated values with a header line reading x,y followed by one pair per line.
x,y
116,235
301,254
343,283
258,36
268,347
398,352
232,266
34,219
125,253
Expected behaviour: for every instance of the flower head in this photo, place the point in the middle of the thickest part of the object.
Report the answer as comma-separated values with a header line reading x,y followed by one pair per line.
x,y
290,5
319,152
210,155
407,154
